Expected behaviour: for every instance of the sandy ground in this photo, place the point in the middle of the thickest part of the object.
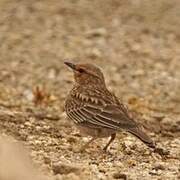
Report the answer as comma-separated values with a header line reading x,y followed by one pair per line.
x,y
136,44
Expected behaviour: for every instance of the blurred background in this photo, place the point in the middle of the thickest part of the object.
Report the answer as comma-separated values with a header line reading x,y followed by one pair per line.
x,y
136,43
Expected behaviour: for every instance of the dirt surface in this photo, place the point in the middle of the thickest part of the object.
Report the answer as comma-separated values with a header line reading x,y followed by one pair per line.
x,y
136,44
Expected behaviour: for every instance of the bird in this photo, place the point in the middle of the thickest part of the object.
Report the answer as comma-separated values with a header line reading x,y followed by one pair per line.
x,y
97,112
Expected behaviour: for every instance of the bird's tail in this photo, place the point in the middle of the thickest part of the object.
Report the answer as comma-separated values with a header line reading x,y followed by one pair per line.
x,y
138,132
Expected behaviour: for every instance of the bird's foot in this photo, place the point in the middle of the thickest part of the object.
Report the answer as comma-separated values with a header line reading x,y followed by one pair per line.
x,y
105,151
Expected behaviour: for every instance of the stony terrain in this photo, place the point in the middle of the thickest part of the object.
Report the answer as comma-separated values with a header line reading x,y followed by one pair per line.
x,y
136,44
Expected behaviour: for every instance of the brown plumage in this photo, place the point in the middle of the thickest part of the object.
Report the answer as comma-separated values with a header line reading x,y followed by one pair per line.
x,y
96,111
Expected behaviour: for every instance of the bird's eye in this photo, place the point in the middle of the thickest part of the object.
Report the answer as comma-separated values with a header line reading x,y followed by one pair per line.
x,y
81,70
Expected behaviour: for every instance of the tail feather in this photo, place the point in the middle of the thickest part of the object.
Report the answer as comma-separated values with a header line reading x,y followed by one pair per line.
x,y
142,136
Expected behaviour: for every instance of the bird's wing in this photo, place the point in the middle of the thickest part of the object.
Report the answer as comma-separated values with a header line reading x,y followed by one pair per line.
x,y
111,116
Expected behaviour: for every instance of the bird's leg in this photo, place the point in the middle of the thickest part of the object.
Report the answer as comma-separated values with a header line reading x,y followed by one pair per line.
x,y
113,136
87,144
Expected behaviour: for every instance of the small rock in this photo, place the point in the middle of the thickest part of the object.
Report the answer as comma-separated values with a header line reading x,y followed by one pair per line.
x,y
28,94
158,116
71,139
37,142
119,175
71,176
128,142
159,167
162,152
97,32
153,172
139,72
47,160
128,152
27,123
167,121
52,74
63,168
94,53
131,162
58,177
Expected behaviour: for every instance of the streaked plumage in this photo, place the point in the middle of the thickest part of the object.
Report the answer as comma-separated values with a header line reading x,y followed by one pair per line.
x,y
95,110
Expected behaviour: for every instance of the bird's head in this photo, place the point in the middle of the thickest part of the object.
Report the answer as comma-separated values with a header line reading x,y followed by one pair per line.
x,y
85,74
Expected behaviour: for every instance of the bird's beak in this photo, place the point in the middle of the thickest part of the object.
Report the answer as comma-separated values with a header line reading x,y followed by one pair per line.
x,y
71,65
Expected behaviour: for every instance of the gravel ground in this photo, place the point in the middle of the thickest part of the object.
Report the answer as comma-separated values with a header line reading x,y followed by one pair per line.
x,y
137,46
